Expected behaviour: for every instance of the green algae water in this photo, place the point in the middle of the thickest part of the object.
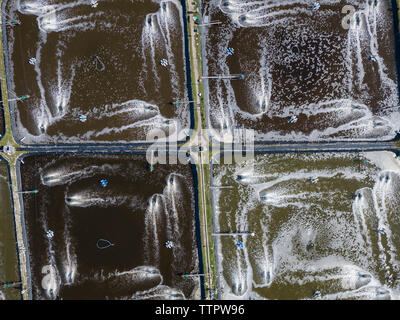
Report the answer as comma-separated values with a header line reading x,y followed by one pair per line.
x,y
326,226
9,270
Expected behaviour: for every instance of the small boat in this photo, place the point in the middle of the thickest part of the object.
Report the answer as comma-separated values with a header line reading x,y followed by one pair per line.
x,y
239,177
358,20
239,76
357,195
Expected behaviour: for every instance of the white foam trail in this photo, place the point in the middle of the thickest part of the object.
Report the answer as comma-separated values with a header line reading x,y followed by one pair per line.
x,y
360,209
382,191
90,199
172,195
70,264
164,20
52,285
71,174
152,223
150,36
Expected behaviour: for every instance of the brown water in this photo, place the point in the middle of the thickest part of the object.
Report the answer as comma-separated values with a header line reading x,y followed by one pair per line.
x,y
1,120
138,211
102,63
9,271
309,237
303,63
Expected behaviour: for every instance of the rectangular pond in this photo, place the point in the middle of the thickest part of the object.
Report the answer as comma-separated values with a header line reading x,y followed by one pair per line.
x,y
105,73
106,227
325,225
9,269
308,74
